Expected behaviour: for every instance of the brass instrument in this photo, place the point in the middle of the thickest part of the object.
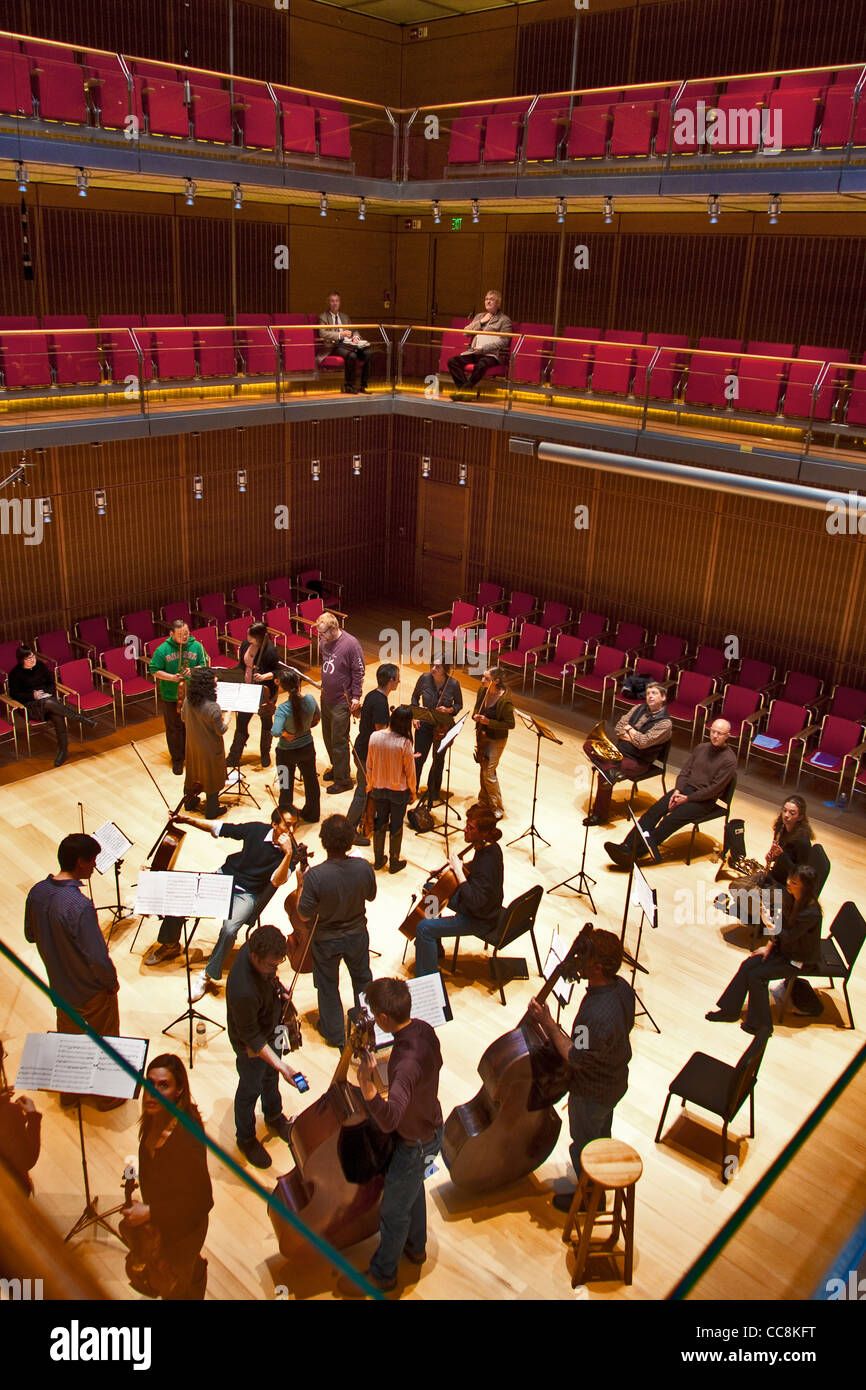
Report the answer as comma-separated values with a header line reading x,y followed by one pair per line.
x,y
601,745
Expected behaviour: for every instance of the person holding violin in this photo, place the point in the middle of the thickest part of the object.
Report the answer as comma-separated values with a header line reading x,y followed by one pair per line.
x,y
292,725
264,860
205,759
390,774
254,1008
494,716
167,1228
258,659
170,665
478,900
411,1113
336,893
375,713
598,1051
436,690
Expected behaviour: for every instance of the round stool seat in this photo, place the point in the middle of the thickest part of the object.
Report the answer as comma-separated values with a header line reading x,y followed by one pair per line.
x,y
611,1163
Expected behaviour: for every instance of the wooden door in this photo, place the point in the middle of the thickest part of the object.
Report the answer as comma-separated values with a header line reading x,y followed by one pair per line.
x,y
456,277
443,524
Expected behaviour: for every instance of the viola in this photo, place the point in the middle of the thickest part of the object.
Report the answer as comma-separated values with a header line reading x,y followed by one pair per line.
x,y
510,1127
317,1189
300,938
147,1270
441,885
289,1018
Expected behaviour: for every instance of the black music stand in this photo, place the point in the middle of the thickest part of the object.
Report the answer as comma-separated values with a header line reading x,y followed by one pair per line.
x,y
191,1013
90,1216
446,744
653,920
541,731
583,878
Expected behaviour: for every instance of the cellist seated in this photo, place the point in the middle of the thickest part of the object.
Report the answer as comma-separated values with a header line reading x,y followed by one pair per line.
x,y
477,902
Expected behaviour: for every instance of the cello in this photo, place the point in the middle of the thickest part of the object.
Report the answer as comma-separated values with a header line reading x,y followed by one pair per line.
x,y
510,1127
316,1189
166,847
438,888
300,938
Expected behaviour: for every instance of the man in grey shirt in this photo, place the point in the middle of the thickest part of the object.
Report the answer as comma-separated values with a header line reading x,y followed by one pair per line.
x,y
334,895
343,667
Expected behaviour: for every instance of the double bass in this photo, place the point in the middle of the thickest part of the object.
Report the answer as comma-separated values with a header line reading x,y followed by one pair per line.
x,y
435,892
316,1189
510,1127
300,938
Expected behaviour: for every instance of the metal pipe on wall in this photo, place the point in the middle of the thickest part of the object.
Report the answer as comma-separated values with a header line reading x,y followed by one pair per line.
x,y
768,489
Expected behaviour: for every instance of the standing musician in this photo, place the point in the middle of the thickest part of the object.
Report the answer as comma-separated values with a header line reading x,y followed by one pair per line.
x,y
31,682
293,722
265,858
792,841
436,690
598,1051
413,1114
169,1225
494,716
258,659
342,683
391,777
337,893
478,899
639,736
205,758
375,713
254,1007
171,663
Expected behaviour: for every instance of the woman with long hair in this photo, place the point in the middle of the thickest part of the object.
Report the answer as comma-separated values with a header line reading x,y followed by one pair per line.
x,y
293,721
258,659
792,841
391,779
477,902
436,690
167,1228
205,758
795,941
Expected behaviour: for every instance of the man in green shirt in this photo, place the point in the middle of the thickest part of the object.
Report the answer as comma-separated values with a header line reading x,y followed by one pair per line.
x,y
171,663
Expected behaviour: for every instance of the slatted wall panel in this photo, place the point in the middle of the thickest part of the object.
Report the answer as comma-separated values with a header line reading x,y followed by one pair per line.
x,y
262,42
205,254
261,289
531,261
405,482
688,39
681,284
821,35
586,294
544,51
809,290
17,295
603,46
144,30
106,262
203,34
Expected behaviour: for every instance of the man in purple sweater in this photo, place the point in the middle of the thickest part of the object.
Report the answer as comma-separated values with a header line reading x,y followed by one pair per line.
x,y
342,682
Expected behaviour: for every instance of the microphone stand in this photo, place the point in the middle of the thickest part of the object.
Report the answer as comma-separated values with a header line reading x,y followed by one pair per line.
x,y
583,878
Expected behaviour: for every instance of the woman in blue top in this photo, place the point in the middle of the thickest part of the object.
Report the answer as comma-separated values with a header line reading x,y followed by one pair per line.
x,y
293,721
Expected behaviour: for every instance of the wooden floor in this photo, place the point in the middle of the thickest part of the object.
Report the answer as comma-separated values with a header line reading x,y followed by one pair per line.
x,y
507,1246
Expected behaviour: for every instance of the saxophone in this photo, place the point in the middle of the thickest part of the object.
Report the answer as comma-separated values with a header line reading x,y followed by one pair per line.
x,y
601,745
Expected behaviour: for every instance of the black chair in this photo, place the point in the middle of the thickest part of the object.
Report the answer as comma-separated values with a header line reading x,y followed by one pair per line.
x,y
839,952
657,769
722,807
821,864
720,1088
514,920
260,904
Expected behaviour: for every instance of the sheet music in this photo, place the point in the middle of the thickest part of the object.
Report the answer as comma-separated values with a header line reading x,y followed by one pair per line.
x,y
450,737
114,845
563,989
643,895
233,695
429,1003
181,893
73,1062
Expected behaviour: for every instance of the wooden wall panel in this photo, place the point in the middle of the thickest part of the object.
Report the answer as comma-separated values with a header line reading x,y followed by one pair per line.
x,y
17,295
809,290
544,56
261,288
820,35
148,30
465,59
681,284
334,50
262,36
93,262
341,255
205,266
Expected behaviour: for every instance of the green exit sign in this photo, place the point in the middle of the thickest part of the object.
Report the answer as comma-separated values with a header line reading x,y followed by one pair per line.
x,y
456,223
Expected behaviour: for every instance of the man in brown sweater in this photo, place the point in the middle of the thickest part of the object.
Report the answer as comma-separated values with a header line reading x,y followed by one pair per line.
x,y
640,736
706,773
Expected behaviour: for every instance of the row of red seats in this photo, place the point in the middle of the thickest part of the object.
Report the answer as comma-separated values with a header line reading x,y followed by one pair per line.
x,y
200,345
58,82
806,110
720,374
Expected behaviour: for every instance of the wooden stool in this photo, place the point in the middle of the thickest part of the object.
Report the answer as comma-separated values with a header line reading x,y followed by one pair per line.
x,y
606,1165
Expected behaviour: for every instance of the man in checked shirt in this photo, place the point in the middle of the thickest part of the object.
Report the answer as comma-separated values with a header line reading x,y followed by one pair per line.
x,y
598,1051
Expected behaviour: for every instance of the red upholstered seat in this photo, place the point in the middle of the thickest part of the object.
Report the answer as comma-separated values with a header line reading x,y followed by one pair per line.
x,y
172,348
597,680
562,664
546,127
214,345
502,134
460,615
140,624
801,689
165,100
635,124
210,641
297,124
738,702
685,707
297,344
757,675
256,113
281,591
668,366
710,377
832,754
119,347
837,117
54,648
652,670
248,598
255,345
211,108
75,683
630,637
75,356
591,626
572,357
23,354
334,138
464,145
528,361
554,615
776,740
668,649
848,703
117,667
803,376
709,661
794,116
59,84
590,126
332,589
283,631
94,634
16,94
614,360
112,96
532,641
485,640
761,380
213,607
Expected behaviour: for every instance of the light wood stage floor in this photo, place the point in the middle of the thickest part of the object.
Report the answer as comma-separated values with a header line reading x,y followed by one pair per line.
x,y
506,1246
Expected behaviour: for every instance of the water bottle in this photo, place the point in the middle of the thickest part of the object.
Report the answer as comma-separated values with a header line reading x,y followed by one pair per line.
x,y
200,1034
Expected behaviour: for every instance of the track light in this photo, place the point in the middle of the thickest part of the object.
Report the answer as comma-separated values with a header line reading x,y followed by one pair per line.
x,y
362,209
46,509
462,474
561,208
189,187
425,467
242,480
436,218
22,177
81,181
99,501
323,204
774,209
607,209
474,209
714,207
356,465
198,487
316,470
237,197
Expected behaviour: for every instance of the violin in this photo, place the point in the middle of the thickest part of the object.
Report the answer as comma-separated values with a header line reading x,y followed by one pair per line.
x,y
290,1022
510,1127
317,1189
441,885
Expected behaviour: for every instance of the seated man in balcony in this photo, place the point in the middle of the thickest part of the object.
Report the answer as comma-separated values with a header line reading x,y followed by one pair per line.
x,y
487,347
349,346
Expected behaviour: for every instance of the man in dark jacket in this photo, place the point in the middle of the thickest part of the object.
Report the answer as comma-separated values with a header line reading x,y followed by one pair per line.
x,y
33,684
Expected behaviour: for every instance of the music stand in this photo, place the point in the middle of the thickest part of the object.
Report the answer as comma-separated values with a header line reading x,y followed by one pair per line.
x,y
647,901
541,731
446,744
118,912
189,1012
238,786
583,878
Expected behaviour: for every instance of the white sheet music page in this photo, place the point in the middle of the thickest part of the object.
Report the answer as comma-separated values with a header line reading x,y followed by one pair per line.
x,y
237,695
643,895
563,989
428,1004
113,845
74,1063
